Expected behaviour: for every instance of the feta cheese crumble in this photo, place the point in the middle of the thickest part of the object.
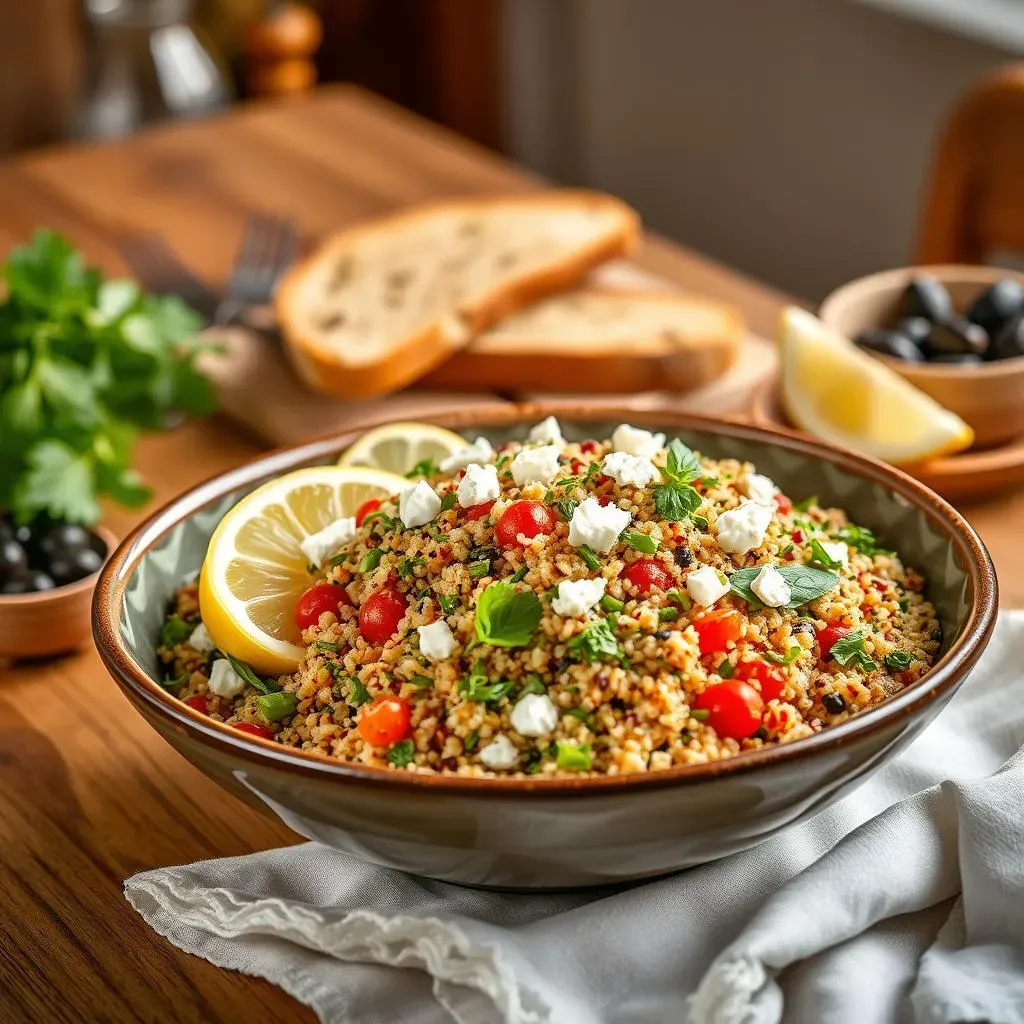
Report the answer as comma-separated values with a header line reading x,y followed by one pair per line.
x,y
771,587
480,484
538,465
706,585
479,451
201,640
630,470
500,753
317,547
597,525
418,505
534,715
761,489
577,597
224,680
635,441
436,641
548,431
742,529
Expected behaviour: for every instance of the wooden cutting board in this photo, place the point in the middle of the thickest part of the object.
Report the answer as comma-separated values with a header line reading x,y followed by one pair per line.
x,y
257,387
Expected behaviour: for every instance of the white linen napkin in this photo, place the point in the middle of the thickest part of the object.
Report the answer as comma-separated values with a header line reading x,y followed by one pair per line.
x,y
903,902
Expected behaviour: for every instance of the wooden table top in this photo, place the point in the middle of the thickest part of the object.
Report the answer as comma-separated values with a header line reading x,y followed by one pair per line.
x,y
88,793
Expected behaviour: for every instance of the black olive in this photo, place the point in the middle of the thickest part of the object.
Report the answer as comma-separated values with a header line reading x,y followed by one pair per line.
x,y
13,559
995,306
834,703
926,297
73,564
66,536
916,328
890,343
956,358
1010,340
662,634
682,556
957,336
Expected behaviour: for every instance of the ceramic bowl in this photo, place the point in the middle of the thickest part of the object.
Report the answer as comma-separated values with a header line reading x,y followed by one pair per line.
x,y
558,833
989,397
51,621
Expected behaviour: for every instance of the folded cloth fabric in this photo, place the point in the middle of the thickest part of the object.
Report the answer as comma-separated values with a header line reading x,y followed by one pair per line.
x,y
903,902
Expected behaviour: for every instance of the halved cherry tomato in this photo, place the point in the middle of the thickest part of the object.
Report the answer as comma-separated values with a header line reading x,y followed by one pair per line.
x,y
255,730
197,702
366,508
529,518
320,598
770,678
647,574
734,708
827,636
380,615
385,721
783,503
716,630
479,511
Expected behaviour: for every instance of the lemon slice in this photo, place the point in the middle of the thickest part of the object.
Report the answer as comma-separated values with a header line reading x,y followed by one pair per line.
x,y
399,447
254,570
832,389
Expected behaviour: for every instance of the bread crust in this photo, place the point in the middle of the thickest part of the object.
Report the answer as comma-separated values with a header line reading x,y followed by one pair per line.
x,y
327,371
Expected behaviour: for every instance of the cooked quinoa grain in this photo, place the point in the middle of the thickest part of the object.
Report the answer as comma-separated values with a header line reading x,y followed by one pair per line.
x,y
692,615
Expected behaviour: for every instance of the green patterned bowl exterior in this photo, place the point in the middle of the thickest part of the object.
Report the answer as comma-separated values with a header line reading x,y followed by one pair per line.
x,y
544,833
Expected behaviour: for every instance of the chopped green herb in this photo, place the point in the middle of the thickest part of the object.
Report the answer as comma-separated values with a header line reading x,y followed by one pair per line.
x,y
371,560
849,650
682,465
448,603
275,706
676,502
407,567
381,519
502,461
806,504
174,631
476,688
338,559
325,647
899,660
402,754
821,558
506,617
639,541
680,598
582,715
805,582
425,467
589,558
357,692
727,669
519,575
668,614
173,684
612,604
471,741
701,715
421,682
477,570
263,685
904,603
566,507
701,523
593,470
595,642
549,496
860,538
573,758
435,534
533,761
784,659
533,684
448,501
786,550
569,481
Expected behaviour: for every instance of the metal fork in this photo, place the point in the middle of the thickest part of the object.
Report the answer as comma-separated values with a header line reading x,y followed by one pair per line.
x,y
155,265
266,251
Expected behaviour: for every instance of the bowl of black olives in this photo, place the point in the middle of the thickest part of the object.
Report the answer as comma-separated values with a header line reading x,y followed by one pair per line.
x,y
955,332
47,574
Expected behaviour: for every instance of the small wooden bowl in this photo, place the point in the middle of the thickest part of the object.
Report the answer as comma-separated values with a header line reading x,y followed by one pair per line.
x,y
52,621
989,397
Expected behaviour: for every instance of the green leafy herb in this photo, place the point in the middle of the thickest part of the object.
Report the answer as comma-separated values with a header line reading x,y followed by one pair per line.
x,y
574,758
421,682
676,499
519,575
325,647
860,538
582,715
786,550
436,535
701,715
668,614
680,598
805,582
371,560
569,481
357,692
246,672
639,541
476,688
595,642
502,461
275,706
806,504
726,669
471,741
533,761
701,523
425,467
402,754
821,558
612,604
407,567
479,569
784,659
593,470
85,364
899,660
448,501
448,603
904,603
849,650
682,464
589,558
381,519
566,507
533,684
174,631
506,617
173,684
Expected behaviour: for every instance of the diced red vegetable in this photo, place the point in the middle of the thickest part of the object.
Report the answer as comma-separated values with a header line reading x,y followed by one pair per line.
x,y
529,518
647,574
385,721
770,679
479,511
783,503
717,629
734,708
380,615
197,702
320,598
366,508
589,447
255,730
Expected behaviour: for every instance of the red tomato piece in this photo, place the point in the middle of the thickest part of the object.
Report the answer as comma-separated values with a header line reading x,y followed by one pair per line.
x,y
255,730
366,508
589,447
385,721
479,511
647,574
798,536
197,702
827,636
783,503
577,467
380,615
734,708
529,518
320,598
716,630
771,679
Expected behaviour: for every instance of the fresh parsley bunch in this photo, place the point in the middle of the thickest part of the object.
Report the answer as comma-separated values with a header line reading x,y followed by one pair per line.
x,y
676,499
85,364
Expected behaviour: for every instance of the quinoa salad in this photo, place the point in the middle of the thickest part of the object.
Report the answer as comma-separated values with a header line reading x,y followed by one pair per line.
x,y
552,608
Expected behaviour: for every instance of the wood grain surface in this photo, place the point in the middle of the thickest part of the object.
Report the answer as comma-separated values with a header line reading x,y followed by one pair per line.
x,y
88,793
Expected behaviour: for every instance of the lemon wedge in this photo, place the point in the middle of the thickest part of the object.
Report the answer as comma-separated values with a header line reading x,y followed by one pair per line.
x,y
255,571
401,447
832,389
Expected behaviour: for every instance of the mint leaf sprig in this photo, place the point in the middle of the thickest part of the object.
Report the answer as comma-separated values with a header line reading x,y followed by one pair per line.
x,y
677,499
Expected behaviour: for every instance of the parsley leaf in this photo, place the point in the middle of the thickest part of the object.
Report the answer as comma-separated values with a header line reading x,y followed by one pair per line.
x,y
784,659
861,538
275,706
805,582
595,642
682,466
849,650
506,617
245,671
448,501
174,631
425,467
899,660
448,603
402,754
566,507
574,758
533,684
476,688
820,557
639,541
726,669
676,502
357,692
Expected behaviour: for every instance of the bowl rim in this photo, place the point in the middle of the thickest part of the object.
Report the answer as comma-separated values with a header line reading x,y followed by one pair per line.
x,y
944,272
140,688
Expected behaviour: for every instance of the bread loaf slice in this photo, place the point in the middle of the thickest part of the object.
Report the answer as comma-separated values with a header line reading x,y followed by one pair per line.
x,y
600,340
380,304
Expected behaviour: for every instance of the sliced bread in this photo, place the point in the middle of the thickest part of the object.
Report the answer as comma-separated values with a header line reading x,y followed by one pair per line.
x,y
600,340
380,304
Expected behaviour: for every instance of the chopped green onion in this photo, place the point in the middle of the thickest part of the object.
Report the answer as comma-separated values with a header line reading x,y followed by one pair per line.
x,y
899,660
784,659
726,669
448,501
534,684
582,715
590,559
371,560
407,567
519,575
471,741
448,603
275,706
612,604
477,570
326,647
639,541
502,461
573,758
668,614
421,682
401,754
700,715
